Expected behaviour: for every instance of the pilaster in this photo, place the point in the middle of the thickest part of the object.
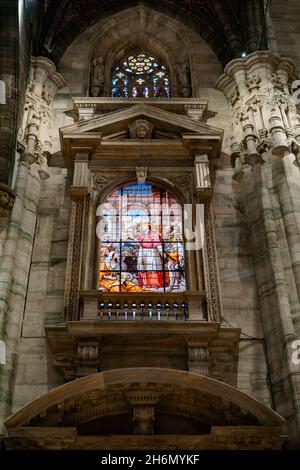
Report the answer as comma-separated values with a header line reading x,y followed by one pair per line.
x,y
79,191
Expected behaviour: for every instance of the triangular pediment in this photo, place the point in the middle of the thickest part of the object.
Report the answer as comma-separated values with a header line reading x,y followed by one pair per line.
x,y
115,124
142,128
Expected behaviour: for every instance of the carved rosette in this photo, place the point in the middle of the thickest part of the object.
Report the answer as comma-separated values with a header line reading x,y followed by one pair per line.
x,y
184,181
99,182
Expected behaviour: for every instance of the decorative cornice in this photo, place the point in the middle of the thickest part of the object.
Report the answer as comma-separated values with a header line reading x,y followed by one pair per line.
x,y
252,61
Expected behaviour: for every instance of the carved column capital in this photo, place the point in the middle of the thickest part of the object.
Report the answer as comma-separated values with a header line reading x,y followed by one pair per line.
x,y
144,418
264,113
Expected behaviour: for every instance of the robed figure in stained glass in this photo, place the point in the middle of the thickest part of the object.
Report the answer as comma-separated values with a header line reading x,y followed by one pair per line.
x,y
140,244
150,259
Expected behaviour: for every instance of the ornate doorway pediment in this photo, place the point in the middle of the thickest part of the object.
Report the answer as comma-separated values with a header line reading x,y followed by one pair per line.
x,y
93,413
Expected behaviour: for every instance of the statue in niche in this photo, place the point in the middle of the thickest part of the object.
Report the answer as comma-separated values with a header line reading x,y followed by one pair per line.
x,y
183,79
97,77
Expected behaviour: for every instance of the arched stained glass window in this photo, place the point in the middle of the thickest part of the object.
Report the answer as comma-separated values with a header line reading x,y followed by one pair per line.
x,y
140,241
140,75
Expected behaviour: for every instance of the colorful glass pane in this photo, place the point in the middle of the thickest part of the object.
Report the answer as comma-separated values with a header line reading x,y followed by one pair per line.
x,y
140,241
140,75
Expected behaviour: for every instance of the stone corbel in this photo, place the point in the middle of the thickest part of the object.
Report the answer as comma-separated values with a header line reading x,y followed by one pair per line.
x,y
143,403
141,174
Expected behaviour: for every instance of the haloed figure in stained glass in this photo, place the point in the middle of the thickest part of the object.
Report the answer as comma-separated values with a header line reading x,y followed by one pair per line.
x,y
141,246
140,76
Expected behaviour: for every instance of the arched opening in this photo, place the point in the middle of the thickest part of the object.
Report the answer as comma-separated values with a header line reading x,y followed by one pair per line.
x,y
140,241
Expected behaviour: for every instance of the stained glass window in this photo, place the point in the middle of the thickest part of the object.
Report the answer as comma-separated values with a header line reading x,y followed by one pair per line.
x,y
140,241
140,75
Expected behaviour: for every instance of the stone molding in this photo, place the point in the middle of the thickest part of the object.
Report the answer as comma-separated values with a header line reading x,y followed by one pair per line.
x,y
82,348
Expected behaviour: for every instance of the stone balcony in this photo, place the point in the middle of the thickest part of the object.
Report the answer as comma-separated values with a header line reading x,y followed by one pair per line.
x,y
145,330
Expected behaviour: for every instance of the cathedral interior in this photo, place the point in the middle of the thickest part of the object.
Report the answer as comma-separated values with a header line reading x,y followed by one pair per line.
x,y
149,224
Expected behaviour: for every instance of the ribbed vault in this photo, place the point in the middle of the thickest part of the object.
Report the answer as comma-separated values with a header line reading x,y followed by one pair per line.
x,y
228,26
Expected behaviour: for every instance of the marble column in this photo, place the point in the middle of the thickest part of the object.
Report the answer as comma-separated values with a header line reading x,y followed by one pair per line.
x,y
264,147
15,262
9,51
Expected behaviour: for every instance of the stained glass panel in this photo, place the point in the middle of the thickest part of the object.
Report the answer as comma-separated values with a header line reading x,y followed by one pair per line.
x,y
140,241
140,75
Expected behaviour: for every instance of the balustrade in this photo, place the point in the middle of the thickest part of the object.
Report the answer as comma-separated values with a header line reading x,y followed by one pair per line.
x,y
142,310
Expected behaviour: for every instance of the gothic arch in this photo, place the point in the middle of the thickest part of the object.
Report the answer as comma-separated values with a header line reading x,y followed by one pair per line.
x,y
138,42
167,37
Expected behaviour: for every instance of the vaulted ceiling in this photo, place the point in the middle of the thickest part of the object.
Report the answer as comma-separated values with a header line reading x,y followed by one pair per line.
x,y
230,27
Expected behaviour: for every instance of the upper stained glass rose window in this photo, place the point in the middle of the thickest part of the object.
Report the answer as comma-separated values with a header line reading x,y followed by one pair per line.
x,y
142,76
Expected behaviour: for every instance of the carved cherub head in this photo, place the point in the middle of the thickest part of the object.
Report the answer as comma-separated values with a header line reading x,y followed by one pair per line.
x,y
141,129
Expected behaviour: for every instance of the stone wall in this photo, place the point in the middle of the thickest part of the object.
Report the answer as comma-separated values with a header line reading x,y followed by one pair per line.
x,y
44,305
286,20
238,283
